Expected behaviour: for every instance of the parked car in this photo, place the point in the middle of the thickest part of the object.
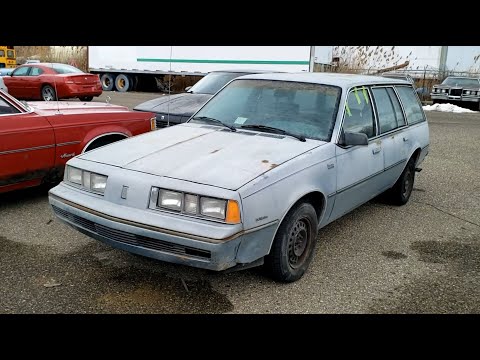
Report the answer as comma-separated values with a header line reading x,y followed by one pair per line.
x,y
37,138
6,71
49,81
2,86
254,174
464,91
175,109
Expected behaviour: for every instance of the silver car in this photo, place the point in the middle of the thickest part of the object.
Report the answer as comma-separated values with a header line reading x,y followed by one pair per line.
x,y
254,174
458,90
3,87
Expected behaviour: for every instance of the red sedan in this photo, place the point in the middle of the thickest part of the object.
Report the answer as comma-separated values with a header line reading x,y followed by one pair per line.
x,y
49,81
36,140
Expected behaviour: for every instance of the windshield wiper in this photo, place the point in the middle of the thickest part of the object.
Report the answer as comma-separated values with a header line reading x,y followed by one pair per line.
x,y
206,118
273,129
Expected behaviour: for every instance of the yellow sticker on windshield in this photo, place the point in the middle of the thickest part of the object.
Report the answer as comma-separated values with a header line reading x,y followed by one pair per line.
x,y
365,95
356,95
348,110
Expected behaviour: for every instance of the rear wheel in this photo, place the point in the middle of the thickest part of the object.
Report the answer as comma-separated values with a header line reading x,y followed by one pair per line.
x,y
107,82
294,244
106,140
48,93
401,191
86,98
122,83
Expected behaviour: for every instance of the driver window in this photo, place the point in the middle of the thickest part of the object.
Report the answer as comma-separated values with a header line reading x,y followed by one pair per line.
x,y
21,71
6,108
358,115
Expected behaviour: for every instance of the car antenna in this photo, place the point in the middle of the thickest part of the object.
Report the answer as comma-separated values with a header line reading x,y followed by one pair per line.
x,y
56,93
169,87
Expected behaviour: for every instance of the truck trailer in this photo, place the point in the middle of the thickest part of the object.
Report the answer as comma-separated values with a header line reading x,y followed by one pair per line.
x,y
164,68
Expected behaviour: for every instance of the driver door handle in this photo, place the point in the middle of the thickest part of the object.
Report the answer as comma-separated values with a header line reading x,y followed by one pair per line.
x,y
405,139
376,150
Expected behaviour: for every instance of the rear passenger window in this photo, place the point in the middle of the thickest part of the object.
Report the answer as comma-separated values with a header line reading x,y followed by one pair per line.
x,y
411,104
358,113
36,71
390,114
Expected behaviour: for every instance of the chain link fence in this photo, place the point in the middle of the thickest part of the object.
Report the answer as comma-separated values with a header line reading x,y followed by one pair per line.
x,y
424,79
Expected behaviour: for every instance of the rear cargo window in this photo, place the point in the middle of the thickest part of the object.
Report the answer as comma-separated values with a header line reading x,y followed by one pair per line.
x,y
411,104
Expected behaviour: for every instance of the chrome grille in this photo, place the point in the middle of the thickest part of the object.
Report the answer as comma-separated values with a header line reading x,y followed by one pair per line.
x,y
132,239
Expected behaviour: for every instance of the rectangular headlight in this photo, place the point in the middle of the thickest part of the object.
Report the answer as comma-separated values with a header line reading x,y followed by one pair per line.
x,y
213,207
74,175
191,202
98,183
170,199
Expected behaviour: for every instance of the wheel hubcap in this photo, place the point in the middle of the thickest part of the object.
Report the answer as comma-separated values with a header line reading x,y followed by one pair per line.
x,y
297,242
48,94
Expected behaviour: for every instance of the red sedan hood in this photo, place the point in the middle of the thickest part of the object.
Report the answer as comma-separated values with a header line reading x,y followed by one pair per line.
x,y
48,107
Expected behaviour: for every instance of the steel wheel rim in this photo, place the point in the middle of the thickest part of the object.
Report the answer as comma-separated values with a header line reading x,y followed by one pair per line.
x,y
48,94
298,240
407,183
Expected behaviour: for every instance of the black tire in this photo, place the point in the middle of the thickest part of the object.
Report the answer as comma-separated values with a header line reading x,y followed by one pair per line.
x,y
107,82
401,191
294,244
134,83
104,141
86,98
48,93
122,83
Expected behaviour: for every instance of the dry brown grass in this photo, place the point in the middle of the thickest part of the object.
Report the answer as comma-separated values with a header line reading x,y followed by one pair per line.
x,y
365,59
73,55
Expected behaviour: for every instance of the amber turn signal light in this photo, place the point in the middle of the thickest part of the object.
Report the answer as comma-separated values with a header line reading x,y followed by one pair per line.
x,y
233,212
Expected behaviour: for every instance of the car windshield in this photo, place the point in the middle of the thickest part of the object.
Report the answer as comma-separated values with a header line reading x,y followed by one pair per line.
x,y
66,69
213,82
453,81
303,109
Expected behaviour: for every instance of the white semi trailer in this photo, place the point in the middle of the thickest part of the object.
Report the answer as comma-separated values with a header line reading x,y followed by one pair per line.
x,y
125,68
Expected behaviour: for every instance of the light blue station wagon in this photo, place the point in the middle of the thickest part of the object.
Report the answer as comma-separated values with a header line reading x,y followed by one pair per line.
x,y
254,174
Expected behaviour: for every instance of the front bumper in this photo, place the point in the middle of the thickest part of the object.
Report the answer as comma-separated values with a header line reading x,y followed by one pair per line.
x,y
163,244
447,97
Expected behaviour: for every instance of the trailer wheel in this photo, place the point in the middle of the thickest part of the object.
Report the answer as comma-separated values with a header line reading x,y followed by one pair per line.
x,y
122,83
133,82
107,82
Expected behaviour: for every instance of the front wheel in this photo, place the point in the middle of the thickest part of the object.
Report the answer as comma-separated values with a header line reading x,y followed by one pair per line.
x,y
294,244
48,93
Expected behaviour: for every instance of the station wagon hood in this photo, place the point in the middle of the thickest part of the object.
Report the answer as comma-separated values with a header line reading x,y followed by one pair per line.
x,y
179,104
203,154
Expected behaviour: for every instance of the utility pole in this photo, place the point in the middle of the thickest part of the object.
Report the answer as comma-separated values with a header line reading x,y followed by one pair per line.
x,y
442,67
312,59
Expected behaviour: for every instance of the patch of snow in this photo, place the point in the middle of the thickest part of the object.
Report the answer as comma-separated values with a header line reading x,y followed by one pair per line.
x,y
447,108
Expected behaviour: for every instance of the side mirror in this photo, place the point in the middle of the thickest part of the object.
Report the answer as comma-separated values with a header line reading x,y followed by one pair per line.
x,y
353,139
188,88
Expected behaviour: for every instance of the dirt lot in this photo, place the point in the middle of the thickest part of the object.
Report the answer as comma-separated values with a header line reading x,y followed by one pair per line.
x,y
420,258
